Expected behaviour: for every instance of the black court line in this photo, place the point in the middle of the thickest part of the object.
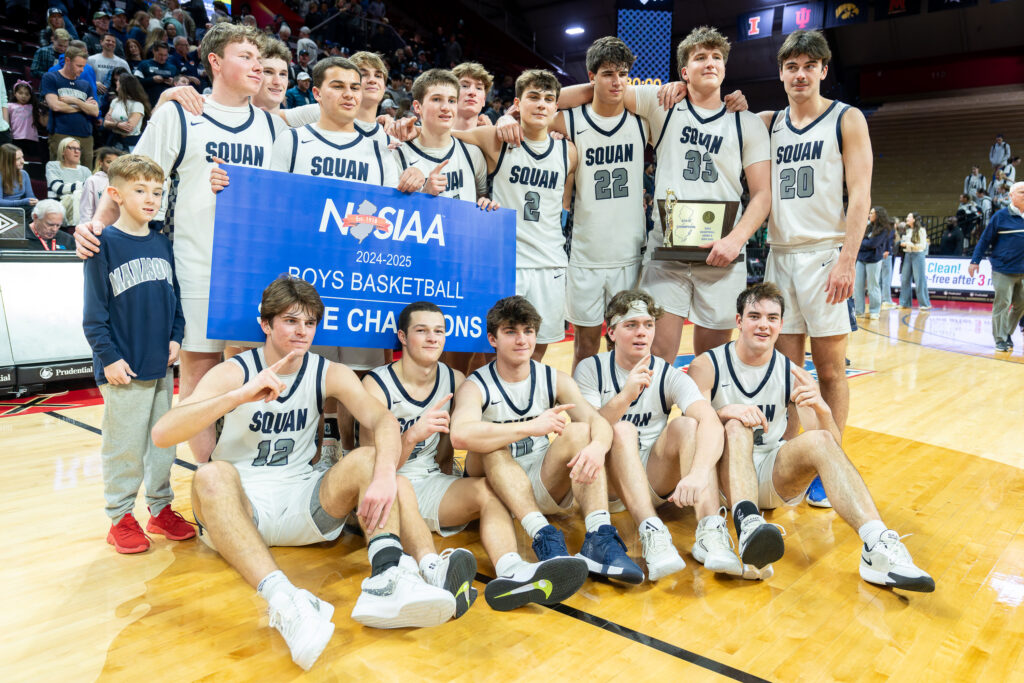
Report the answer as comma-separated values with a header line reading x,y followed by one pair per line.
x,y
96,430
650,641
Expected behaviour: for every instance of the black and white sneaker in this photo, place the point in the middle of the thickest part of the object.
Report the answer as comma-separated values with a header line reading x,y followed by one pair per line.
x,y
760,542
889,563
547,583
454,572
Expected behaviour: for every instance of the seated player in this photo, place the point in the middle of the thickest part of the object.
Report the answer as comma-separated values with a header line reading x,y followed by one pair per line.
x,y
503,416
654,459
260,490
756,391
418,389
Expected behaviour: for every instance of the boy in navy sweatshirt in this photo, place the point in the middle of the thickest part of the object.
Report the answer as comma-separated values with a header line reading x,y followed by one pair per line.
x,y
134,324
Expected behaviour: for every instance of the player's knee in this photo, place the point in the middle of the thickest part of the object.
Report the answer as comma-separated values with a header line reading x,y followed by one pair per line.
x,y
577,433
831,371
683,427
624,433
821,443
734,429
358,463
214,481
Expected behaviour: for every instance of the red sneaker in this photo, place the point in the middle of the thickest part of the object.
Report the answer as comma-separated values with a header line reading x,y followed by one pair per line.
x,y
126,536
171,524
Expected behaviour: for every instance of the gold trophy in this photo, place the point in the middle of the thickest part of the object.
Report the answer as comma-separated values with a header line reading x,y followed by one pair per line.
x,y
690,226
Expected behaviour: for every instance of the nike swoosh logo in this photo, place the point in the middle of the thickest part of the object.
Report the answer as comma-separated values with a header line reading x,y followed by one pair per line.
x,y
194,123
866,560
581,132
557,276
302,142
494,403
543,585
464,588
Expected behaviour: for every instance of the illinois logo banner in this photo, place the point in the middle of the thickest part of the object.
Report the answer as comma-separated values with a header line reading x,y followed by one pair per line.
x,y
754,25
368,250
805,15
845,12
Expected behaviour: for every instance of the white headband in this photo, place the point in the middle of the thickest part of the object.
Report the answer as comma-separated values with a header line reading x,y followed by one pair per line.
x,y
637,309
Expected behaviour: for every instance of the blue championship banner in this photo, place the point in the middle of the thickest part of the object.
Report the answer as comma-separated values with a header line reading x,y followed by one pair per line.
x,y
368,250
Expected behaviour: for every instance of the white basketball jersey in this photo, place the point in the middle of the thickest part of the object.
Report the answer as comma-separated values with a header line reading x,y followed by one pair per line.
x,y
531,179
608,224
373,130
505,402
407,410
185,145
768,387
345,156
807,182
466,171
700,157
276,439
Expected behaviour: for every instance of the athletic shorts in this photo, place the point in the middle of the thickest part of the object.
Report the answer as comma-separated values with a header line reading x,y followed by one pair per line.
x,y
764,464
703,294
590,289
545,289
195,311
430,489
355,358
532,465
801,276
288,512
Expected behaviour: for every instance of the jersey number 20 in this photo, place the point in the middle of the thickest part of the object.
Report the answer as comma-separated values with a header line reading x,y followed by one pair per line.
x,y
796,182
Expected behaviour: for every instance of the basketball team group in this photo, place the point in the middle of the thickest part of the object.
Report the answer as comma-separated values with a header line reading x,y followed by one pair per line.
x,y
296,442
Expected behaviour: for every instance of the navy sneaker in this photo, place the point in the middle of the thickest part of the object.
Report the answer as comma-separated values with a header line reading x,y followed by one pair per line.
x,y
816,494
549,543
606,556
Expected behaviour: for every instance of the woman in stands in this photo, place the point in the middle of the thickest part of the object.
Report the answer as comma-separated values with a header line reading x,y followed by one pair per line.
x,y
17,188
133,52
869,262
64,178
915,248
128,111
885,271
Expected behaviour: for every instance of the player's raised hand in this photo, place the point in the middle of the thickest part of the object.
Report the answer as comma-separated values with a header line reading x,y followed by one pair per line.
x,y
411,180
118,372
508,129
588,463
551,420
487,204
839,284
806,392
435,420
671,94
265,386
87,242
385,120
375,507
404,129
735,101
689,488
218,176
437,181
640,377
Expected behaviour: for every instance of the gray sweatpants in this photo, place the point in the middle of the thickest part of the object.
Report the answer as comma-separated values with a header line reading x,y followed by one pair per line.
x,y
129,456
1008,306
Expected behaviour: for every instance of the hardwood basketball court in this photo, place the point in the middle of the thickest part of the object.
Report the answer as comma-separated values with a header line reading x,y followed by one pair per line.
x,y
935,427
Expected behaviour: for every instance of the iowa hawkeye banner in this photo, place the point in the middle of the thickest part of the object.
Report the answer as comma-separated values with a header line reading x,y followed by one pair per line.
x,y
368,250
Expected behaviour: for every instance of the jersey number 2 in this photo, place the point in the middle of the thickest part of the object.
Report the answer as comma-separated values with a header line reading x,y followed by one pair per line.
x,y
531,209
282,449
611,184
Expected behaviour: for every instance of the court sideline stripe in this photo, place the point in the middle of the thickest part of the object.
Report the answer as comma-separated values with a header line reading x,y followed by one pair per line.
x,y
96,430
649,641
905,321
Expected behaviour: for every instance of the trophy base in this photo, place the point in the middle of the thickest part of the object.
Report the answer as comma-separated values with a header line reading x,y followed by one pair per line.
x,y
684,255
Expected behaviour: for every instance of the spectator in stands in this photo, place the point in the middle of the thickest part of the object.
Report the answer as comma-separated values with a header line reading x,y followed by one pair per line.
x,y
952,239
389,107
284,34
984,204
47,55
376,10
453,52
119,25
885,270
171,32
998,181
5,114
1001,198
105,62
187,60
915,248
153,38
156,16
968,215
97,183
133,53
54,21
1010,170
27,118
998,154
302,66
138,29
493,111
69,98
1005,235
869,262
185,20
129,109
973,182
64,178
302,93
308,44
179,27
44,233
157,74
100,28
17,186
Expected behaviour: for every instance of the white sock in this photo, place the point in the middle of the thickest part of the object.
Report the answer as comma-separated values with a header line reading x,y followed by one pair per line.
x,y
871,532
273,583
534,522
428,561
508,563
596,519
652,524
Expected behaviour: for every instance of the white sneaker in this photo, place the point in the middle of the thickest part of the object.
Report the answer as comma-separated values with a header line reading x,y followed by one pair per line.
x,y
328,455
660,553
400,598
889,563
322,607
455,572
713,547
301,621
760,542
